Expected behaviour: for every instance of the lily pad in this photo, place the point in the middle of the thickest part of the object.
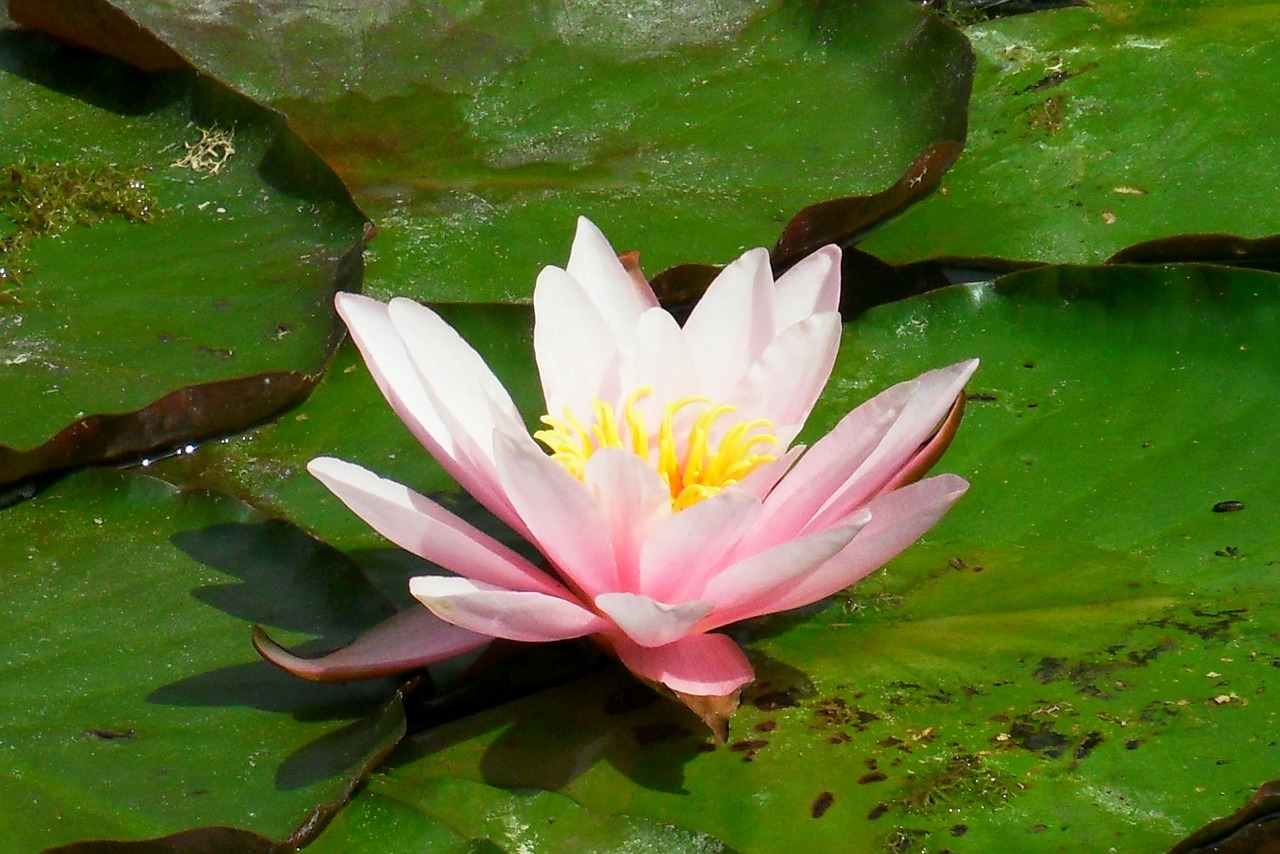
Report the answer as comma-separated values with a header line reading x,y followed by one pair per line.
x,y
684,128
1099,127
133,705
170,256
1087,675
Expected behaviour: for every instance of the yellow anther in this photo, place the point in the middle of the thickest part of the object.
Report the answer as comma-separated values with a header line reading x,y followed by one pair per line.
x,y
690,466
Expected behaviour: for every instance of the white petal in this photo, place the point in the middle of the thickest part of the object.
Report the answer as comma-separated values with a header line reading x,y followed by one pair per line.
x,y
785,382
733,322
417,524
619,297
657,356
649,622
572,344
514,615
466,396
810,287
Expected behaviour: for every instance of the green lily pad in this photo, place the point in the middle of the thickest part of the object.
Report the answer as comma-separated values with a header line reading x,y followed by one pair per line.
x,y
1077,656
134,705
488,127
169,257
1099,127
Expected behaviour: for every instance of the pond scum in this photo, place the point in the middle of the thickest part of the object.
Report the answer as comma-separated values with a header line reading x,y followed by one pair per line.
x,y
42,199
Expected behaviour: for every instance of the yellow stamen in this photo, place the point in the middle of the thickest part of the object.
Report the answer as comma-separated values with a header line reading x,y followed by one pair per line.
x,y
690,466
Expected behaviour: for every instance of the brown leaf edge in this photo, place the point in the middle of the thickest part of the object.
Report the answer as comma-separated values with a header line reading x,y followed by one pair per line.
x,y
100,27
845,221
189,414
390,721
1252,829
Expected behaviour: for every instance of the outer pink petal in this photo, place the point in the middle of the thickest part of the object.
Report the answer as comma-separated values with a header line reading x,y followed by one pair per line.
x,y
784,383
633,499
466,396
741,590
733,322
649,622
842,458
682,552
898,519
517,615
563,519
407,641
701,665
419,525
393,371
810,287
928,405
572,343
619,297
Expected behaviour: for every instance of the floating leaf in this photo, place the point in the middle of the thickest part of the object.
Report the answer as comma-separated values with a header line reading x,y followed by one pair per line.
x,y
490,128
171,257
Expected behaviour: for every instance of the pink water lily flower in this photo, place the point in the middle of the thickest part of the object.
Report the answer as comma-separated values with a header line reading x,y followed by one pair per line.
x,y
663,488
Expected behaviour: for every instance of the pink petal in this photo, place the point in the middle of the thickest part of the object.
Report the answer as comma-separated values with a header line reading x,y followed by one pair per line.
x,y
682,552
928,454
701,665
649,622
633,499
563,519
898,519
619,297
572,344
828,464
932,399
749,584
467,398
810,287
784,383
417,524
370,325
732,323
842,458
518,615
407,641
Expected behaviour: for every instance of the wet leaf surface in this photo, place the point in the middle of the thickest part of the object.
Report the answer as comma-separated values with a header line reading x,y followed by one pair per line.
x,y
1096,128
133,705
488,128
147,304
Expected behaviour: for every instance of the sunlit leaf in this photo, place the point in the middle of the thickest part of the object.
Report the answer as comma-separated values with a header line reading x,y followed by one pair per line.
x,y
169,256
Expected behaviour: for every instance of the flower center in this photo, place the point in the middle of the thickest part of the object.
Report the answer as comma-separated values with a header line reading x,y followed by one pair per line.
x,y
688,464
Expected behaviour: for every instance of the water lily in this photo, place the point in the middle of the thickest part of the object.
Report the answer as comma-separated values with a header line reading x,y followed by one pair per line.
x,y
663,488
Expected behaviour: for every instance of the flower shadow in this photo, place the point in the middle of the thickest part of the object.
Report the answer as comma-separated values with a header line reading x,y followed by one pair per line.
x,y
551,739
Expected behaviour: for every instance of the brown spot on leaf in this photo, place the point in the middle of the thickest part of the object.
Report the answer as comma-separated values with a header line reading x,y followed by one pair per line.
x,y
821,804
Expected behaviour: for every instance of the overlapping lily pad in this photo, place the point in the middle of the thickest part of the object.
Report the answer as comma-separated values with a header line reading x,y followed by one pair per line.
x,y
170,258
483,130
1098,127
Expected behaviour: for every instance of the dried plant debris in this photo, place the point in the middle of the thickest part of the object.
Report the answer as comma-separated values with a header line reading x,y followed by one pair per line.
x,y
210,152
47,198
